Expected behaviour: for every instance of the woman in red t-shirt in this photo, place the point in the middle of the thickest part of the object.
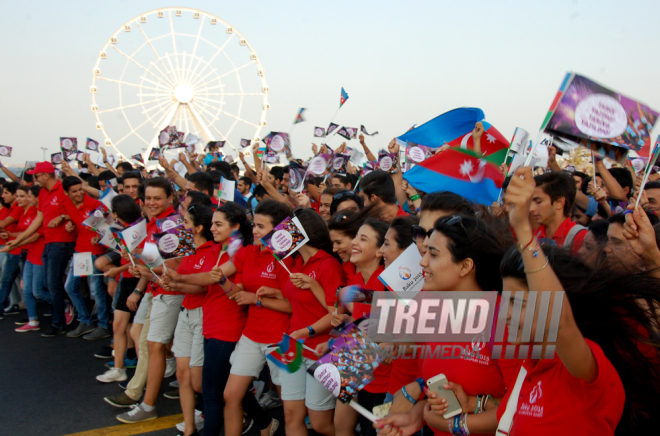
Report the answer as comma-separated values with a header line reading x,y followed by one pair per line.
x,y
311,292
343,227
34,283
268,318
463,254
368,261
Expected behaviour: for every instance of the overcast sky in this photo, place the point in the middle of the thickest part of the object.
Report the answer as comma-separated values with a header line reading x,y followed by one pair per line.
x,y
402,63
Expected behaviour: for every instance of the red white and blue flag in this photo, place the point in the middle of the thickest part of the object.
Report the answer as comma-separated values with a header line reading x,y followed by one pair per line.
x,y
299,117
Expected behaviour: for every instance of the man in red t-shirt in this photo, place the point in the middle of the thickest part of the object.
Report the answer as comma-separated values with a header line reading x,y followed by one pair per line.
x,y
377,188
77,209
552,205
59,243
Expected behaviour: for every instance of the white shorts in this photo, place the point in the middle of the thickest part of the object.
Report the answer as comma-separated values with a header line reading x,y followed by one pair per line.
x,y
141,314
188,338
302,386
165,310
249,357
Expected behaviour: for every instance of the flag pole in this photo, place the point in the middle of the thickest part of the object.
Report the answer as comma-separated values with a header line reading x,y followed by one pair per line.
x,y
362,411
531,152
652,156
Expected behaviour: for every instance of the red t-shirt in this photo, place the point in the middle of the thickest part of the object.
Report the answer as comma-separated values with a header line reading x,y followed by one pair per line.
x,y
224,320
84,235
51,204
401,212
553,402
4,213
36,248
307,309
349,269
562,231
383,372
259,268
152,229
15,212
193,265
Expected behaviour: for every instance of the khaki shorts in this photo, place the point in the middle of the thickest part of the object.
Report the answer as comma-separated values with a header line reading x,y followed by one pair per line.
x,y
165,310
302,386
188,338
249,357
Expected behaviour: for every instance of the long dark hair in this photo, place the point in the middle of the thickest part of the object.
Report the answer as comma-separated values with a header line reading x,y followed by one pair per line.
x,y
349,222
202,216
274,210
235,214
402,227
474,238
616,310
319,235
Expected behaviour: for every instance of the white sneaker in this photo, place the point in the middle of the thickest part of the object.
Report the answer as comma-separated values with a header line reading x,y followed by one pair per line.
x,y
112,375
170,367
199,422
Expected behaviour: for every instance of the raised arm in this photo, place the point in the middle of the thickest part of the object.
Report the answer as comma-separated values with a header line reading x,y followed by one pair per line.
x,y
171,174
616,191
248,169
12,176
367,152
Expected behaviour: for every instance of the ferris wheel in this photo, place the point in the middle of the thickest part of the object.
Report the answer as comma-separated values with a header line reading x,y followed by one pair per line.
x,y
181,67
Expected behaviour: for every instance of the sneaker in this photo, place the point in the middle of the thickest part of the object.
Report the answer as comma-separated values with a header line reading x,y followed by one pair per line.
x,y
112,375
28,328
82,329
68,313
123,384
120,400
128,363
22,321
52,331
268,402
104,353
137,414
172,395
273,427
98,333
49,311
174,384
170,367
12,310
247,424
199,422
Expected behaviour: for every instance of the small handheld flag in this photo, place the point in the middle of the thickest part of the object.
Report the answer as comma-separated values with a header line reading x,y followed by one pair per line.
x,y
5,151
343,98
319,132
92,145
288,354
363,130
299,117
355,294
331,128
231,247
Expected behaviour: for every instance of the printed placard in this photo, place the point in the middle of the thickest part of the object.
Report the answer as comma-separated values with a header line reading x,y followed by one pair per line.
x,y
286,238
227,189
404,275
82,264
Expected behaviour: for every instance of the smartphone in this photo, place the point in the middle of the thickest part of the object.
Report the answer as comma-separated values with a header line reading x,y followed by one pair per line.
x,y
435,384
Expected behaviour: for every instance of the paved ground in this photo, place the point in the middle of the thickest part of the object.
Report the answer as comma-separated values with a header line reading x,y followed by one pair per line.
x,y
48,387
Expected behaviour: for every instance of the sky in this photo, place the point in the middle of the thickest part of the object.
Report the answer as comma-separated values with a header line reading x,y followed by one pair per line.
x,y
402,63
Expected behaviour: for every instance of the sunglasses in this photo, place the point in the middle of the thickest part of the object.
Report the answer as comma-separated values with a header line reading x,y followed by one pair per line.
x,y
342,195
453,220
419,233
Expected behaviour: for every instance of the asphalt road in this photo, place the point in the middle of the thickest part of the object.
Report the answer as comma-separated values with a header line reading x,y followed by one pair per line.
x,y
48,386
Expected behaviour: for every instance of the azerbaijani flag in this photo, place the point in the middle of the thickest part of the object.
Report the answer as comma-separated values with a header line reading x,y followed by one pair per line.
x,y
455,128
555,102
288,355
343,97
299,117
138,157
459,171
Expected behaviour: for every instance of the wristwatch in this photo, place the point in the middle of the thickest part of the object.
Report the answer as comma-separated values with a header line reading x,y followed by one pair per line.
x,y
62,217
136,291
312,332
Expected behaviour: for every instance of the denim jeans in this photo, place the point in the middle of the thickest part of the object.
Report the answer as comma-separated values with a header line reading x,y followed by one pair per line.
x,y
11,270
97,288
56,256
215,374
34,287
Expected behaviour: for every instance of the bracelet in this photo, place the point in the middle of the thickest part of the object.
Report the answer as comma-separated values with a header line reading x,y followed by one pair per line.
x,y
491,399
458,426
223,280
407,395
259,303
532,271
478,409
420,382
153,279
415,197
520,247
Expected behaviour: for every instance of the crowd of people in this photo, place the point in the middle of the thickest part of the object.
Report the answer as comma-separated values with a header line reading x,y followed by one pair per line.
x,y
212,317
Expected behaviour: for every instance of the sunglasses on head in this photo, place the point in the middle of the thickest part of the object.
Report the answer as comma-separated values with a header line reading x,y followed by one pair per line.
x,y
455,219
341,195
419,233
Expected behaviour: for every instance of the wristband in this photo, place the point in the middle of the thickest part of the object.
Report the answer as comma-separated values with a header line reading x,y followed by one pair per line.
x,y
259,303
223,280
415,197
420,382
312,332
407,395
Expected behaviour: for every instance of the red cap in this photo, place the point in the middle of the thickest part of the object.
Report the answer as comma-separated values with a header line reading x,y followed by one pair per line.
x,y
43,167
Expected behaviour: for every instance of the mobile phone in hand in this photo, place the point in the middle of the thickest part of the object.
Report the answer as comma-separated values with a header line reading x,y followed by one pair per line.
x,y
436,385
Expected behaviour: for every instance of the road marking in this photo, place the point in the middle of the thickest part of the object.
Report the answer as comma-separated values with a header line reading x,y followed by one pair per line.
x,y
131,429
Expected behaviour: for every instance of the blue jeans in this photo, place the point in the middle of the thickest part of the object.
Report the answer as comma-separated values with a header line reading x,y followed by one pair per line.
x,y
34,286
10,272
56,256
97,289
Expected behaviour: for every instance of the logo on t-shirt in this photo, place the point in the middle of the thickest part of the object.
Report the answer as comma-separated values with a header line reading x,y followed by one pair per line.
x,y
271,267
536,393
268,274
199,264
54,202
532,409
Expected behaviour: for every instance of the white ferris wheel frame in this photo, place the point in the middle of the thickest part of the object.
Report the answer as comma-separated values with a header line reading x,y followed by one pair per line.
x,y
171,86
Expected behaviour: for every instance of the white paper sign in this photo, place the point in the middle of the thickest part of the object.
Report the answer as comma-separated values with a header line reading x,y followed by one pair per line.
x,y
405,274
107,196
151,256
227,188
107,240
134,235
82,264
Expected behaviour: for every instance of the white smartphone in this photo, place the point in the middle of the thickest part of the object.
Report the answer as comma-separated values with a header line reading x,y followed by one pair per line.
x,y
436,385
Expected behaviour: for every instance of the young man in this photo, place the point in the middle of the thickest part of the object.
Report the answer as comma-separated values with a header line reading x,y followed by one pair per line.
x,y
552,205
77,209
340,181
244,185
202,182
652,190
59,242
132,182
378,188
104,179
